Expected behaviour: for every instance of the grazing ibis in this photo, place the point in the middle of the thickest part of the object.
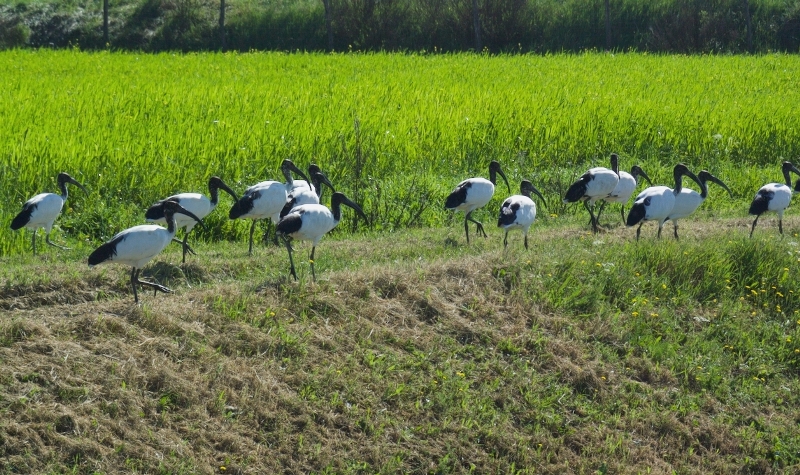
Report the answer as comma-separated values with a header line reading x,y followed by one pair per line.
x,y
200,205
596,184
624,189
42,210
519,211
308,195
136,246
266,199
774,197
656,202
311,222
687,201
474,193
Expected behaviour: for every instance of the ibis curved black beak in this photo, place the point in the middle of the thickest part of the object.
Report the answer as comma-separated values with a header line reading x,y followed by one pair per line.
x,y
320,178
494,169
174,207
708,176
682,170
636,171
216,182
288,167
68,179
526,188
342,199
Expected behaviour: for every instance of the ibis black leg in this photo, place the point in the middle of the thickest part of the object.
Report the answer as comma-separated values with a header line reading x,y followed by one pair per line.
x,y
526,241
753,227
311,260
599,212
252,228
780,225
675,230
591,215
478,226
135,280
33,240
660,225
466,226
134,275
47,240
288,243
639,230
505,240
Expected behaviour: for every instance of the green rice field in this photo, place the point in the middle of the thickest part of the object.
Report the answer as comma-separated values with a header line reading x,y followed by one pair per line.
x,y
395,132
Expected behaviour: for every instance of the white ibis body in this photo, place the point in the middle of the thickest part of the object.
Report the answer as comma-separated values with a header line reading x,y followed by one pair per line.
x,y
624,190
474,193
196,203
656,202
774,197
307,195
519,211
596,184
42,210
311,222
136,246
265,200
687,201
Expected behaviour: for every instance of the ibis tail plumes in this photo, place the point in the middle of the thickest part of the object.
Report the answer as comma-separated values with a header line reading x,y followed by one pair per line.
x,y
596,184
624,190
42,210
136,246
474,193
201,206
266,199
311,222
774,197
687,201
519,211
656,202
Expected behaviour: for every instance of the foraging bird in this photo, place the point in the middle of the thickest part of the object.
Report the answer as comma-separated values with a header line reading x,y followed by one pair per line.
x,y
307,195
266,199
519,211
687,201
656,202
311,222
42,210
199,205
596,184
474,193
136,246
774,197
624,189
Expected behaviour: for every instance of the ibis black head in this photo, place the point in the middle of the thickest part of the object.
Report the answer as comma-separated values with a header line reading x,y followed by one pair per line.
x,y
706,176
615,163
318,178
786,168
288,167
638,212
171,207
339,199
64,178
215,183
680,171
526,188
636,172
494,169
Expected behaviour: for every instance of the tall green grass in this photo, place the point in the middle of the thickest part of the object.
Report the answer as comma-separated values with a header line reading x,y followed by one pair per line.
x,y
395,132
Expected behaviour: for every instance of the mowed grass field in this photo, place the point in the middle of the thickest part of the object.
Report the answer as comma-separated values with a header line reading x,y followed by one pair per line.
x,y
413,352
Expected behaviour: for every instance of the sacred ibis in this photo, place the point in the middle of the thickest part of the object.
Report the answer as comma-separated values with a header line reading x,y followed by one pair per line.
x,y
474,193
596,184
519,211
655,203
266,199
43,209
308,195
200,205
774,197
687,201
624,189
311,222
136,246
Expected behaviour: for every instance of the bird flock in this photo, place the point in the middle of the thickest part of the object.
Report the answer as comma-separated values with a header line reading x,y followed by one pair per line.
x,y
294,209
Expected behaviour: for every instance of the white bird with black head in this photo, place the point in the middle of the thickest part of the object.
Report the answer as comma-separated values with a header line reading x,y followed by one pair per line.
x,y
308,195
311,222
687,201
266,199
656,202
42,210
474,193
136,246
198,204
519,211
625,187
775,197
596,184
